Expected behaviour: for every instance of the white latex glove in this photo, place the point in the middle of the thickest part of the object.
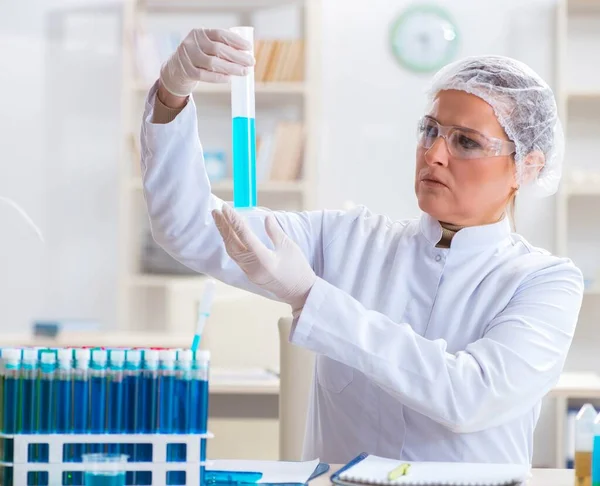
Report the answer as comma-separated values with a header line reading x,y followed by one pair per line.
x,y
210,55
283,271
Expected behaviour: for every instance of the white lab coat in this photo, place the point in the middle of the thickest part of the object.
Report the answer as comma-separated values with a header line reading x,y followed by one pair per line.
x,y
423,353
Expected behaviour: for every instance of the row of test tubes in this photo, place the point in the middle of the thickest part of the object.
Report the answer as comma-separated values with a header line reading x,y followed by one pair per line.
x,y
115,391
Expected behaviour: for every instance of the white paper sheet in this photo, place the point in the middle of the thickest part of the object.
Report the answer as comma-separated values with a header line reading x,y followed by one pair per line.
x,y
273,471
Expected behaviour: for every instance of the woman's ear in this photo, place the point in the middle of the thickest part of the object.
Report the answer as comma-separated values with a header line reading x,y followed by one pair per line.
x,y
532,165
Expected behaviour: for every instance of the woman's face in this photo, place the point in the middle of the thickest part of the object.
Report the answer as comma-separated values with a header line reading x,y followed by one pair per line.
x,y
460,191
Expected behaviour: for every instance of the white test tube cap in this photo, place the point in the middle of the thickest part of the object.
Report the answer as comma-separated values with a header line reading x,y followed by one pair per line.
x,y
99,356
185,355
12,355
117,356
65,354
48,358
133,356
29,354
82,358
167,356
151,355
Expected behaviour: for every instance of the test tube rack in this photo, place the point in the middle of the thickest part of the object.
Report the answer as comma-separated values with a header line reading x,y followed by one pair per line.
x,y
158,464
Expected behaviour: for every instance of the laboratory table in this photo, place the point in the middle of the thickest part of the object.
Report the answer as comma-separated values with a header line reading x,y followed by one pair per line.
x,y
539,477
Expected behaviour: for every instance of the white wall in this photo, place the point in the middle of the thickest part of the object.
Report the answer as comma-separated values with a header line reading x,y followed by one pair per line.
x,y
59,137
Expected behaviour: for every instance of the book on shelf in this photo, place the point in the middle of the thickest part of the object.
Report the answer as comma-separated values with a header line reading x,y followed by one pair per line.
x,y
279,153
277,60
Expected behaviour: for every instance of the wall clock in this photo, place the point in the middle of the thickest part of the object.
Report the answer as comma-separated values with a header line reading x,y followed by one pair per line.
x,y
424,38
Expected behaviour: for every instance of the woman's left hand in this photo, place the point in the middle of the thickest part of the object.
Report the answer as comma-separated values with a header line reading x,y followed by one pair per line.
x,y
283,271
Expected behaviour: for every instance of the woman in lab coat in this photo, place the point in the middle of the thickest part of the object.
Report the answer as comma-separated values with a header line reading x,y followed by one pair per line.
x,y
436,337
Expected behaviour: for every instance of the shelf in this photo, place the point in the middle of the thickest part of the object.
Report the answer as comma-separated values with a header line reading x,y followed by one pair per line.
x,y
162,281
225,89
271,187
224,381
583,5
175,6
584,95
577,385
594,290
585,189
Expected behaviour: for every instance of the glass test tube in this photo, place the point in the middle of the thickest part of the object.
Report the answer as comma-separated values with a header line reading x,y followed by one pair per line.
x,y
166,393
147,399
11,406
183,391
47,393
81,398
98,394
132,376
1,398
584,442
115,391
200,371
244,132
29,391
64,392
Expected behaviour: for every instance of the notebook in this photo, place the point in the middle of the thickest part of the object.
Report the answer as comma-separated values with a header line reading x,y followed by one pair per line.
x,y
368,469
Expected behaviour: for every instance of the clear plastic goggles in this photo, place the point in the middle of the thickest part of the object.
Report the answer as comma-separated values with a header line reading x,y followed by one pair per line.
x,y
462,143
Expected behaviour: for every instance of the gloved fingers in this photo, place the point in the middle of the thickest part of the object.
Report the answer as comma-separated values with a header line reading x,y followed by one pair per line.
x,y
202,44
234,247
228,37
275,231
196,62
245,233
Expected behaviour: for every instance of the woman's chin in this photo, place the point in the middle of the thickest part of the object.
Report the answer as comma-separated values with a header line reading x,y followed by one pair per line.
x,y
436,207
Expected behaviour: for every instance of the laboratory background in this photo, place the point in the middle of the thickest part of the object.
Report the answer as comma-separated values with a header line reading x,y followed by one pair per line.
x,y
340,86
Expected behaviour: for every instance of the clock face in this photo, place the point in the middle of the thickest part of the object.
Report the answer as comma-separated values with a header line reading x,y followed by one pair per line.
x,y
424,38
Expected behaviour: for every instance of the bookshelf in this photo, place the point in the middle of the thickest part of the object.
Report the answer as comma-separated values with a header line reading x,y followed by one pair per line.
x,y
287,98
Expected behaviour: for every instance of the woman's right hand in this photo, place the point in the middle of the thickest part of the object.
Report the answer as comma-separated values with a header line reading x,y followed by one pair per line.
x,y
211,55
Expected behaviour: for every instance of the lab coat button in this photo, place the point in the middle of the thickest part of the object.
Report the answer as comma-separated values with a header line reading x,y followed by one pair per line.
x,y
438,258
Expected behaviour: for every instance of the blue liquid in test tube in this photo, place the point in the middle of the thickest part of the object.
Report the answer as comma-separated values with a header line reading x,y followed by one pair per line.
x,y
12,398
183,391
81,399
29,391
131,391
148,397
244,132
47,394
166,394
98,394
115,395
198,404
64,391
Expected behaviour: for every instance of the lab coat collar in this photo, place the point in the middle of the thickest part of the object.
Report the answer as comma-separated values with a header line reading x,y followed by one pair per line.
x,y
469,237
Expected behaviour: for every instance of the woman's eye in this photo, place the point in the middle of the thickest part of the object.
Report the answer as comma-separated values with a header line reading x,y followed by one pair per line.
x,y
468,143
430,130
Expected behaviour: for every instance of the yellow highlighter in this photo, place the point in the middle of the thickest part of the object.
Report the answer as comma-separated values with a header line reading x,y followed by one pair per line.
x,y
401,470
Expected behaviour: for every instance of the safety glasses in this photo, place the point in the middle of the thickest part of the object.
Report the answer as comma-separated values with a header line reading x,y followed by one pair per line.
x,y
462,143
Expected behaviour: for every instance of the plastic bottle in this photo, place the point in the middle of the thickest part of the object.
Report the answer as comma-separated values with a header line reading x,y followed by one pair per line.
x,y
584,443
595,475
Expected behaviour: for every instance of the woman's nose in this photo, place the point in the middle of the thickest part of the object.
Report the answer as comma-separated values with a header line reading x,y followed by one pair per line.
x,y
438,153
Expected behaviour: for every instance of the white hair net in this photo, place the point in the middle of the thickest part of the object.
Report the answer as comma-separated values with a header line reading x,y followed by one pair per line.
x,y
525,107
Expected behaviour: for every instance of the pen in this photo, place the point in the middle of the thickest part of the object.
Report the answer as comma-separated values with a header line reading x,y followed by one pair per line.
x,y
401,470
